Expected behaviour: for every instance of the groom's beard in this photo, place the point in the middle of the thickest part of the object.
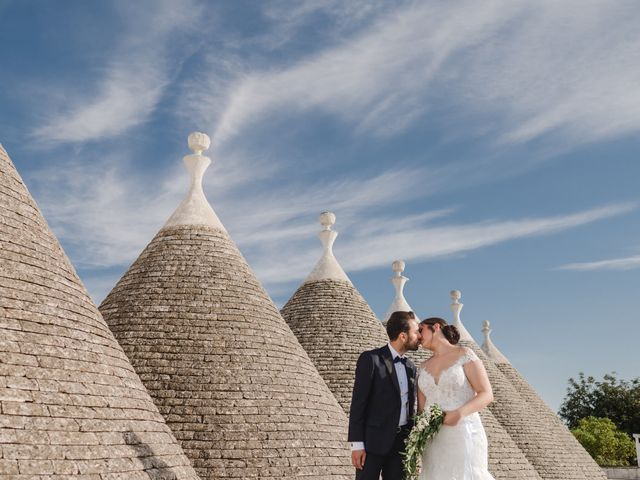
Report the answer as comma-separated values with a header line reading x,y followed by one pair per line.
x,y
412,346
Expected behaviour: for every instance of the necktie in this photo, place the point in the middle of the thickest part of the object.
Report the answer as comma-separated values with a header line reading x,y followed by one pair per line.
x,y
402,360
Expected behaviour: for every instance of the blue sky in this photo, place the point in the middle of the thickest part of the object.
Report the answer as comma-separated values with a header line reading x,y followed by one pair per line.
x,y
492,146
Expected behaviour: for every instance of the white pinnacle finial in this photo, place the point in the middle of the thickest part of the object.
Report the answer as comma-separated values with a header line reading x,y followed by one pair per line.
x,y
327,220
195,209
489,348
398,281
456,306
327,267
199,142
486,329
398,267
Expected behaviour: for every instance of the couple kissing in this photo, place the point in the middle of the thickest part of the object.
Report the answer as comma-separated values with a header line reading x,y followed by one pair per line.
x,y
389,390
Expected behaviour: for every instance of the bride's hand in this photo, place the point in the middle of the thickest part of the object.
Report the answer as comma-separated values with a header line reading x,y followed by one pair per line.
x,y
452,418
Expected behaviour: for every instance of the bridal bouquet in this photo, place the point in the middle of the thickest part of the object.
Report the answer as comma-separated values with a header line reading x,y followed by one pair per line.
x,y
426,425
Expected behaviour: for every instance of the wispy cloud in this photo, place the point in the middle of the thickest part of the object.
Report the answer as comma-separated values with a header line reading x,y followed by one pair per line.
x,y
374,81
375,243
106,213
131,83
625,263
110,224
561,69
289,18
107,227
432,242
531,69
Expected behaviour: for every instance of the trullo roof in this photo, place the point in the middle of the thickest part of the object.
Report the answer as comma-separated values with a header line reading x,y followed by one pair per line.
x,y
331,320
538,409
232,381
72,404
535,435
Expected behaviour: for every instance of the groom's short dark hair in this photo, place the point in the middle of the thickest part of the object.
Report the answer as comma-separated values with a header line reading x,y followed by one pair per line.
x,y
399,322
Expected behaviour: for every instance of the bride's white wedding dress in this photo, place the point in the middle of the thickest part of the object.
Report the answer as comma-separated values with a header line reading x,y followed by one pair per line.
x,y
458,452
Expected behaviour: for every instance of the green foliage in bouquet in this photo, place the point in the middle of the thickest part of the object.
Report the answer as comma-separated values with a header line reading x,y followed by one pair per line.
x,y
425,425
608,446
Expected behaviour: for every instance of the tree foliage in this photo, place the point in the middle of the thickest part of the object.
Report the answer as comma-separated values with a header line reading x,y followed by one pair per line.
x,y
605,443
617,400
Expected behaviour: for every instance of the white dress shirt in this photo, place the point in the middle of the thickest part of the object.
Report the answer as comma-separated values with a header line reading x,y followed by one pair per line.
x,y
403,382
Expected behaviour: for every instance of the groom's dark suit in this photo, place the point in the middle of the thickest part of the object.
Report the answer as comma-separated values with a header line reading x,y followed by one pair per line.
x,y
375,413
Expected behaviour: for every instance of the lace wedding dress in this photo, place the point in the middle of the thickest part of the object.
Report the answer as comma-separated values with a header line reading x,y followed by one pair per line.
x,y
458,452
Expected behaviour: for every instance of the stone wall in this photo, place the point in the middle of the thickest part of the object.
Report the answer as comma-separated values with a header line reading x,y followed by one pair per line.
x,y
622,473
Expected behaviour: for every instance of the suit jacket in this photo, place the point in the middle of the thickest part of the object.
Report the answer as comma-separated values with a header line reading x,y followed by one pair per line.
x,y
375,403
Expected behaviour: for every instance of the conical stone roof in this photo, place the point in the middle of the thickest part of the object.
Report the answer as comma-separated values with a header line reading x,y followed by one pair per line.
x,y
233,383
332,321
534,435
71,402
506,459
540,410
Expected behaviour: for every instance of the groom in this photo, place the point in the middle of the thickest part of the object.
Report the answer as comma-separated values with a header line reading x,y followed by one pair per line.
x,y
382,405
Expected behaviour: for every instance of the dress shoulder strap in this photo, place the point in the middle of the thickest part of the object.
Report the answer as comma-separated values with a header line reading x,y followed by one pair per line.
x,y
469,356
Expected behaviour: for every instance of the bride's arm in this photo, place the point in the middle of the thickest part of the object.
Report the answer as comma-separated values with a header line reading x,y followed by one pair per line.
x,y
421,401
477,376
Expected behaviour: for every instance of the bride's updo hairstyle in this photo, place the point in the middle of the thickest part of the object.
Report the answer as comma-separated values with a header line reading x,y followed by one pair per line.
x,y
450,332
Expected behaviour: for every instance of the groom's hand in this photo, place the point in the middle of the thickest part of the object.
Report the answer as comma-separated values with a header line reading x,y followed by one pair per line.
x,y
357,458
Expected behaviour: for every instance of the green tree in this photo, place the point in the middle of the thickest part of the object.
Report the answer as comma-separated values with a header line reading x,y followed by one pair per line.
x,y
605,443
618,400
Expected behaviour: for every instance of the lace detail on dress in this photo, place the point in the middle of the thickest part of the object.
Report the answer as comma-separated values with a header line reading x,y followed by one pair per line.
x,y
456,452
469,356
453,389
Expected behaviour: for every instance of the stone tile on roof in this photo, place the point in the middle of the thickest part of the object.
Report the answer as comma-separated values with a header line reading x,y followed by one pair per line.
x,y
552,458
71,403
540,410
334,324
506,459
232,381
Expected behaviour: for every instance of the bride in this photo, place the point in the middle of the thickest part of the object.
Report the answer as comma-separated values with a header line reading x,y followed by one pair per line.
x,y
455,379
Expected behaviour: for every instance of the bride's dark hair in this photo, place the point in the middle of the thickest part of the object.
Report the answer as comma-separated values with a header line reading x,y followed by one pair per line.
x,y
450,332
